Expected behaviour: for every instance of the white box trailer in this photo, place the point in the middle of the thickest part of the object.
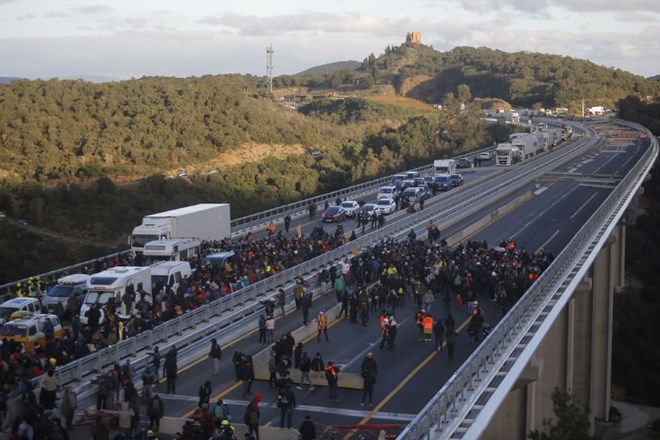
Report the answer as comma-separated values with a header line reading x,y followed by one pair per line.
x,y
527,144
206,221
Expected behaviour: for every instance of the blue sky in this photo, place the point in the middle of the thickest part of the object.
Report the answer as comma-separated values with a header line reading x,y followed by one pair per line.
x,y
129,39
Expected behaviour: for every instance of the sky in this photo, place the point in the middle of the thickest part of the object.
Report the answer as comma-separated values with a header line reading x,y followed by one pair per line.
x,y
122,39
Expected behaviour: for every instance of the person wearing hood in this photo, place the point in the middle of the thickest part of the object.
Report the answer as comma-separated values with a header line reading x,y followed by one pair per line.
x,y
252,414
155,411
369,372
216,355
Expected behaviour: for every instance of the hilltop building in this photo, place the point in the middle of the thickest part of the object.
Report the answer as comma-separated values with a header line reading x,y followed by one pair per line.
x,y
414,37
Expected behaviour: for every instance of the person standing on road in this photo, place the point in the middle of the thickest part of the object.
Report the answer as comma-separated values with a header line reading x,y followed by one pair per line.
x,y
155,411
439,331
287,223
451,343
332,376
68,406
286,401
252,414
322,326
247,375
306,305
305,368
369,373
307,429
216,355
171,371
205,392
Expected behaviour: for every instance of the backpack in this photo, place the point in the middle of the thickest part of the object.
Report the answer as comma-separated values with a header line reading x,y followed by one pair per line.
x,y
221,412
155,404
251,417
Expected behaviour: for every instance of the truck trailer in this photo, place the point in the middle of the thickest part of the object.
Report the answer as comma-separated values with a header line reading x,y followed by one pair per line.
x,y
205,221
527,144
444,166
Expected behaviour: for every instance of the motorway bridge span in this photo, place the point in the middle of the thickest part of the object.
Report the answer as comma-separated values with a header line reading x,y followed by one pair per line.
x,y
558,334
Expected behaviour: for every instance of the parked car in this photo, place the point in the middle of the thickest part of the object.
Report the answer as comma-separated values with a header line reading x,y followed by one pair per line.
x,y
22,221
456,179
350,206
31,330
68,288
463,162
368,208
386,206
442,182
387,192
24,304
407,183
412,196
334,214
485,155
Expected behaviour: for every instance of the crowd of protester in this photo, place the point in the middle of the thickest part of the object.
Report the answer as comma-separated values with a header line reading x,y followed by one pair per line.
x,y
424,272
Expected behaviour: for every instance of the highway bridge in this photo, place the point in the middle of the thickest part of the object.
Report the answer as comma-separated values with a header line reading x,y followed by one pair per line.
x,y
572,202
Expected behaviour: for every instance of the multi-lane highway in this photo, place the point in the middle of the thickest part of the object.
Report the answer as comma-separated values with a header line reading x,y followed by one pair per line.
x,y
559,203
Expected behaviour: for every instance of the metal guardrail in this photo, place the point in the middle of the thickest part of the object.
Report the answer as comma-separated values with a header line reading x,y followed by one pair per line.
x,y
239,225
517,335
208,319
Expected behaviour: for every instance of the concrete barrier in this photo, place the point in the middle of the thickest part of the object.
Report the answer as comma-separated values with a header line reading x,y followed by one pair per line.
x,y
346,380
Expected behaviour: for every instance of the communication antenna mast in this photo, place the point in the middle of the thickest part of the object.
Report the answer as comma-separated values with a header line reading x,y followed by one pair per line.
x,y
269,67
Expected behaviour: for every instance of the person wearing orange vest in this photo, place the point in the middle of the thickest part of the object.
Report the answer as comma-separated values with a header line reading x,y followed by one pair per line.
x,y
331,375
322,326
427,322
270,228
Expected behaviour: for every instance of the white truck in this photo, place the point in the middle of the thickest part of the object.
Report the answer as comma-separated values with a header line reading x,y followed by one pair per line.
x,y
527,144
444,166
555,136
206,221
114,283
542,140
172,249
506,154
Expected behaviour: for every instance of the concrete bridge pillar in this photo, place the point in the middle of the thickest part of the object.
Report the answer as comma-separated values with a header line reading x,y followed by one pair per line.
x,y
576,354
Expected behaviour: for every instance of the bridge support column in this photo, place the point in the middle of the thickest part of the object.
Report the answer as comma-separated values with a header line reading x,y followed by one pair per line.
x,y
576,354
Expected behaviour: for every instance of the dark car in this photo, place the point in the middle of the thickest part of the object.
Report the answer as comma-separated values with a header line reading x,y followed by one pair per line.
x,y
334,214
456,179
463,162
442,182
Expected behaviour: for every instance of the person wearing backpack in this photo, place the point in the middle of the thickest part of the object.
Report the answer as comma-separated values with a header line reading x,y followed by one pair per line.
x,y
205,392
155,411
220,412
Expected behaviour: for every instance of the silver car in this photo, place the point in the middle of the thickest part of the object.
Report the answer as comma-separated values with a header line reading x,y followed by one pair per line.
x,y
67,288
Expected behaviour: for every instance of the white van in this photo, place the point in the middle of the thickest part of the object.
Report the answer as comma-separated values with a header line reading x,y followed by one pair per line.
x,y
169,273
10,307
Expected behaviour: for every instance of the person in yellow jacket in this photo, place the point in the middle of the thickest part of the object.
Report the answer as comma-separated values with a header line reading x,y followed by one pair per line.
x,y
322,326
427,323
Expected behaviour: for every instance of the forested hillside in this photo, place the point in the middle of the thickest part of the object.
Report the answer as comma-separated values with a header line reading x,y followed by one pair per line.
x,y
521,78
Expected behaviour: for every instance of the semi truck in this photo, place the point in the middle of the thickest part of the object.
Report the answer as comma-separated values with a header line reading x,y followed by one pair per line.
x,y
527,144
506,154
205,221
444,166
172,249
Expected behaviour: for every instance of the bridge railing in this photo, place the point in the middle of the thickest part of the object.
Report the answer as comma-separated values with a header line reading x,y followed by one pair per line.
x,y
467,391
238,226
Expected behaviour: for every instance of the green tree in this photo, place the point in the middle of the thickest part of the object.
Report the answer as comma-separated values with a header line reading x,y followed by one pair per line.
x,y
572,419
